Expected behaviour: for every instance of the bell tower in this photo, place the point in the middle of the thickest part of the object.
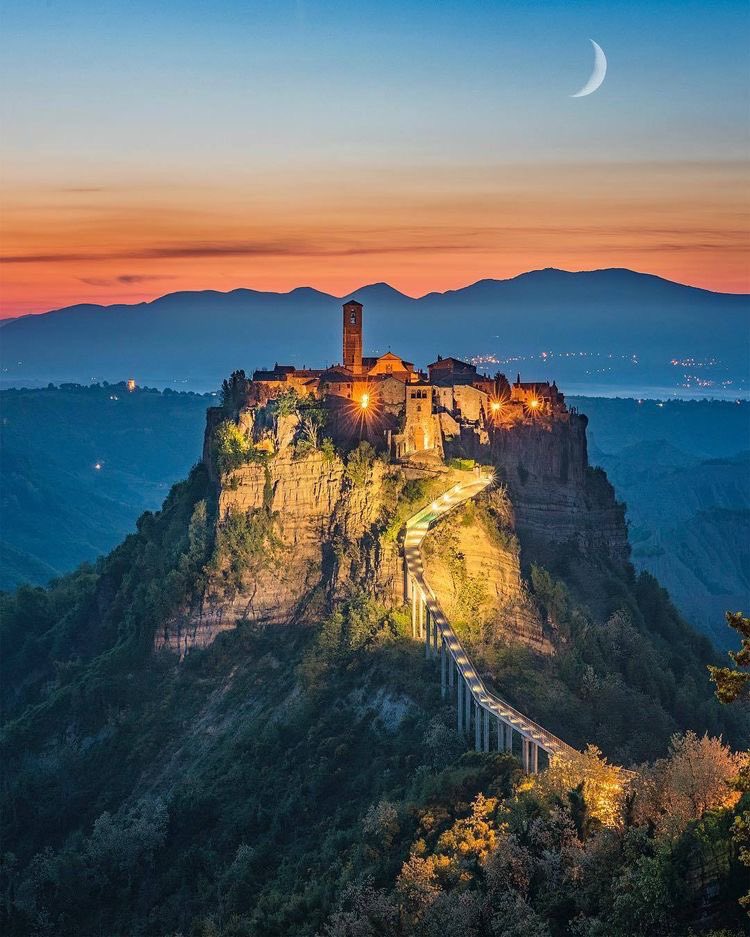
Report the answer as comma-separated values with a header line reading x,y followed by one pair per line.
x,y
353,336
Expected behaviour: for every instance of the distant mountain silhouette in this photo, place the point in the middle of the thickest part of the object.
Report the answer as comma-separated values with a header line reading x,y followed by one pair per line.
x,y
198,337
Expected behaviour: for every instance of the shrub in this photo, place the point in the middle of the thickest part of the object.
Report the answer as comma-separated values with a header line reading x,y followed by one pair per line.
x,y
463,465
360,463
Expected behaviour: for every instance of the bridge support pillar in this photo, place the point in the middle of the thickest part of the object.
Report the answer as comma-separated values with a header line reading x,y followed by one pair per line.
x,y
477,727
486,738
460,706
500,739
413,591
425,613
467,708
443,670
451,670
535,758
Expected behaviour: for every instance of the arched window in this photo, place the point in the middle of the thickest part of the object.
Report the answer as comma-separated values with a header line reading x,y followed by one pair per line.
x,y
353,318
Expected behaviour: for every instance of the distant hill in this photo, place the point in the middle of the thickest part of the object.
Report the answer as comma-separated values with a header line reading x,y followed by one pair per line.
x,y
610,327
688,498
58,509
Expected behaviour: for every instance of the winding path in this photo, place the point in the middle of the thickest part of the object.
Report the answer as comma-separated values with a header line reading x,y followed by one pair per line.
x,y
490,715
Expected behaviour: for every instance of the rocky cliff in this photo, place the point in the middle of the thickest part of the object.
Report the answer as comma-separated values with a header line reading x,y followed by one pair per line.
x,y
556,496
473,562
298,527
324,524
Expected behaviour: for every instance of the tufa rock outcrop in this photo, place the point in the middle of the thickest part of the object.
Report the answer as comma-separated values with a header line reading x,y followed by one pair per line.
x,y
298,526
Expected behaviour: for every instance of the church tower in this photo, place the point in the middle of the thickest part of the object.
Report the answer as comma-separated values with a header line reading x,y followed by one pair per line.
x,y
353,336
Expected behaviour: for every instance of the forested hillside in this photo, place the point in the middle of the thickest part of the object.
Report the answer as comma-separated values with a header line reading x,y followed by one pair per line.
x,y
80,464
297,781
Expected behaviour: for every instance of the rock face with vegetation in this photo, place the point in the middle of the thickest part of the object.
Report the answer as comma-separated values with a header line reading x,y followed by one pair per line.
x,y
294,533
473,561
556,495
298,523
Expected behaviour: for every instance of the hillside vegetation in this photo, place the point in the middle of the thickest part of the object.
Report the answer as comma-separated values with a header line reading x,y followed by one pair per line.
x,y
58,508
295,781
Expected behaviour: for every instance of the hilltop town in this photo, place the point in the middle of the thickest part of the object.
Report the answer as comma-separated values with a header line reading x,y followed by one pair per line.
x,y
451,409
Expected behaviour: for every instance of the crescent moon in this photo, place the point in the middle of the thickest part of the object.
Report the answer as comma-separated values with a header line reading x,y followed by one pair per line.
x,y
598,73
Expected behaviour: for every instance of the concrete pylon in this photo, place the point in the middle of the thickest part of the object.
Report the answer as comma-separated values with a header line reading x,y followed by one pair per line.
x,y
413,608
460,706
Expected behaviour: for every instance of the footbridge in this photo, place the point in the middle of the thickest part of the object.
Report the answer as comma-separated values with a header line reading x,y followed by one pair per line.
x,y
494,723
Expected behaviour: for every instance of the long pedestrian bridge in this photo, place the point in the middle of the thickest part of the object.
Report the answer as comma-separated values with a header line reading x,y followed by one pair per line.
x,y
495,723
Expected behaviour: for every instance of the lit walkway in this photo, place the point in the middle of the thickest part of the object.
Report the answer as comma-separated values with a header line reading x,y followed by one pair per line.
x,y
489,715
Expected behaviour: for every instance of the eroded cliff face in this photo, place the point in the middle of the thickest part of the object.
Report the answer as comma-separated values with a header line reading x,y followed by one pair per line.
x,y
556,496
324,539
316,529
472,561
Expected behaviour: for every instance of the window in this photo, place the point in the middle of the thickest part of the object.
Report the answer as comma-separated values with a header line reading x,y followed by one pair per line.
x,y
353,318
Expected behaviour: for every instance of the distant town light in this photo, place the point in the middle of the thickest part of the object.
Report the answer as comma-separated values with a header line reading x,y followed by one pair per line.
x,y
98,466
131,384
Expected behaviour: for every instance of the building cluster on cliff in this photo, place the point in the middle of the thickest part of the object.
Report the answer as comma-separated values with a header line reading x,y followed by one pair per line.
x,y
387,399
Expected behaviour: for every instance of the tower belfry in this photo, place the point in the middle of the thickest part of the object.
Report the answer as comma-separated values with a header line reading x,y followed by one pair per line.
x,y
353,336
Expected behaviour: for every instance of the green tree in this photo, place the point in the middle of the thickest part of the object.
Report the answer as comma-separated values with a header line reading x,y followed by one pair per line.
x,y
731,682
234,392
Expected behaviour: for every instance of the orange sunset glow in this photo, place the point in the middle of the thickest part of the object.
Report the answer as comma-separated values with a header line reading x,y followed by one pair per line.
x,y
105,241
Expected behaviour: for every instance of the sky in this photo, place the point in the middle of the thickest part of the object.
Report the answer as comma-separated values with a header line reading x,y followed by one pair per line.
x,y
152,147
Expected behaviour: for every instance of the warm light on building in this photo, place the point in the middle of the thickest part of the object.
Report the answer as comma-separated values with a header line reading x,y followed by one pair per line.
x,y
131,385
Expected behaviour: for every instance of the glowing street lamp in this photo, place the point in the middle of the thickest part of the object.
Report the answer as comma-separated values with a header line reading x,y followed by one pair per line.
x,y
364,401
495,406
534,403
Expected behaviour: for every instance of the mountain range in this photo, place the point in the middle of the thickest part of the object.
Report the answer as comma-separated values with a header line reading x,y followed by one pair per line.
x,y
606,327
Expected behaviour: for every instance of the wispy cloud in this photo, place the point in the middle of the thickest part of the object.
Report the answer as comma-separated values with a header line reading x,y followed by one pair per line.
x,y
125,278
242,249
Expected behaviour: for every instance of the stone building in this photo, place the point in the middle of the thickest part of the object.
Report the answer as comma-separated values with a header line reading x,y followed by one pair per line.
x,y
386,400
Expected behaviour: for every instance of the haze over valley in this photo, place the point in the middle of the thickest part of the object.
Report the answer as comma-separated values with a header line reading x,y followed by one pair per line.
x,y
601,332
